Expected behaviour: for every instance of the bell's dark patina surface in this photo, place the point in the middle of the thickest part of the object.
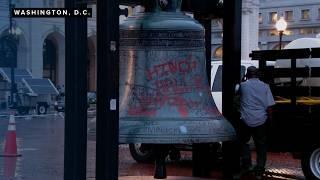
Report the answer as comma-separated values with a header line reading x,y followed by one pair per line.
x,y
164,92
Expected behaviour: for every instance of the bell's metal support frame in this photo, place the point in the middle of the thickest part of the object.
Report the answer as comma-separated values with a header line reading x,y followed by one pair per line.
x,y
200,152
161,151
75,152
107,85
231,53
201,163
231,76
107,90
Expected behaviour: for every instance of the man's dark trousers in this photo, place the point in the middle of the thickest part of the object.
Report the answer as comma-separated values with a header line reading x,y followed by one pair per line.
x,y
259,135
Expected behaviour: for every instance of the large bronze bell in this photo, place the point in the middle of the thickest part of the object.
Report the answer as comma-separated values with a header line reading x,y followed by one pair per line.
x,y
164,92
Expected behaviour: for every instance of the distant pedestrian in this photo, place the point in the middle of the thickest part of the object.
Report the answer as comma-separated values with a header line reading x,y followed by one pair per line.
x,y
255,107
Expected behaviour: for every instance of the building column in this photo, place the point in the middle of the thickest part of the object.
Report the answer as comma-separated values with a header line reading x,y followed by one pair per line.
x,y
36,49
250,27
254,26
245,35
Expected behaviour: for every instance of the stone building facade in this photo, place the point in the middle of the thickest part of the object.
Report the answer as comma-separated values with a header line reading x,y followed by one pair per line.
x,y
258,24
303,19
40,46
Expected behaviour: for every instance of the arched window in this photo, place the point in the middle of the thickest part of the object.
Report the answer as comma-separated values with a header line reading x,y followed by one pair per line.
x,y
49,60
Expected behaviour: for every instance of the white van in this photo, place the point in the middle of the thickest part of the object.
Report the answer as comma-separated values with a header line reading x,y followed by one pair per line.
x,y
216,79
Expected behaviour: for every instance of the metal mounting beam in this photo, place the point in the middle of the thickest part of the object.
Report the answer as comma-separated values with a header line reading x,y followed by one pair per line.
x,y
75,148
107,89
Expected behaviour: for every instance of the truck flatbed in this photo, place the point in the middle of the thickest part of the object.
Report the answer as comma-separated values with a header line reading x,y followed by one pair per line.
x,y
303,100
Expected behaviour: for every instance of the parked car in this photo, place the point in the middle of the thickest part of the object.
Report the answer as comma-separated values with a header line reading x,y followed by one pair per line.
x,y
60,101
92,97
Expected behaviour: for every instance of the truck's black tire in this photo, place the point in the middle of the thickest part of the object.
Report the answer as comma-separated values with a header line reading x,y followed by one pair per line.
x,y
142,153
310,163
174,154
41,109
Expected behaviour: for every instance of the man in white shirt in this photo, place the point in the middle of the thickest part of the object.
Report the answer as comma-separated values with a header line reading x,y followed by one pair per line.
x,y
255,107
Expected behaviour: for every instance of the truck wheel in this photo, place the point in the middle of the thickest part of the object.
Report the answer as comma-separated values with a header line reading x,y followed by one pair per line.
x,y
142,153
42,109
310,163
174,155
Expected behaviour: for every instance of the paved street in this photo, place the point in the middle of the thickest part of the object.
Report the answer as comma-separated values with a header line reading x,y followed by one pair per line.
x,y
40,141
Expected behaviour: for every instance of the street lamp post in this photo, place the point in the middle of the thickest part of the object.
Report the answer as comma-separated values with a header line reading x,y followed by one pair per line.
x,y
13,33
281,26
12,90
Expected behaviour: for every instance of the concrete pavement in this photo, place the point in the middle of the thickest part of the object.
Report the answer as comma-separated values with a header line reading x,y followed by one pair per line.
x,y
41,143
151,178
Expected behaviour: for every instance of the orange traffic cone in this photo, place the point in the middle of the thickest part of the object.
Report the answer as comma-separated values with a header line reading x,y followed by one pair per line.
x,y
9,167
10,147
